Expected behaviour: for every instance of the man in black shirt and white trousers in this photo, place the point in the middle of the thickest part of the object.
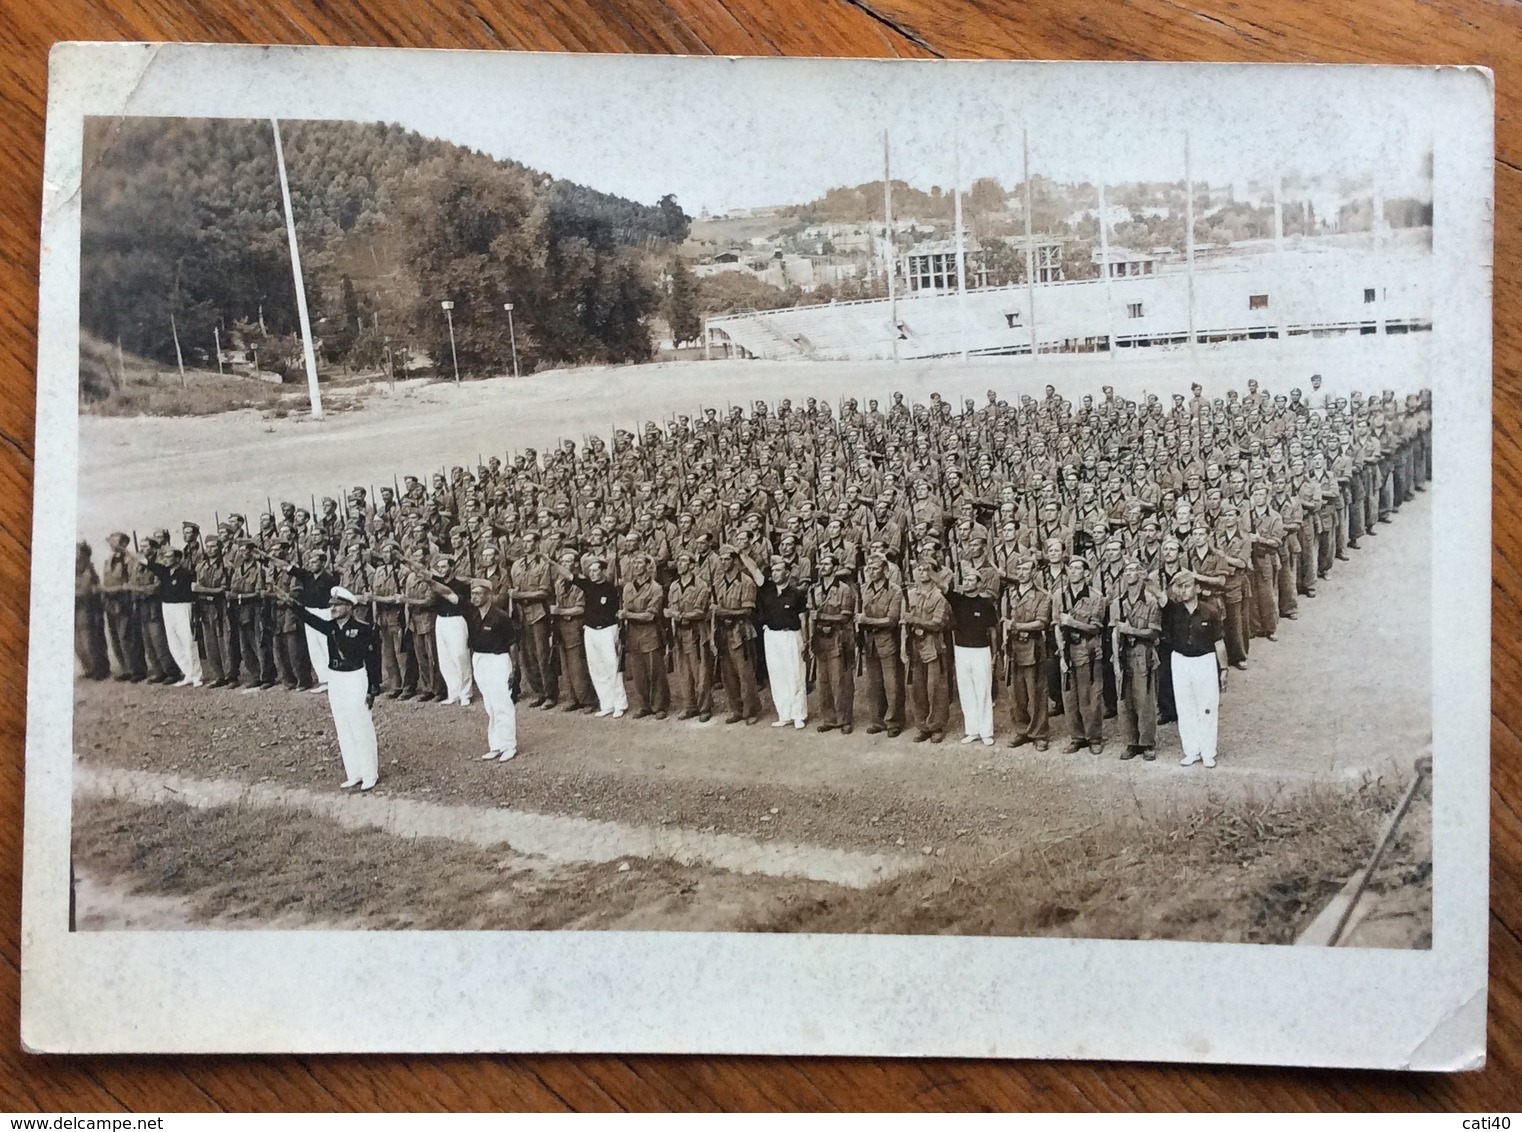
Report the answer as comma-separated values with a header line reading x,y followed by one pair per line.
x,y
492,634
1194,631
354,678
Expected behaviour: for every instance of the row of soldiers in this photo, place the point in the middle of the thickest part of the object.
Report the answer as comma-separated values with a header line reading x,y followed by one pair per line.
x,y
717,522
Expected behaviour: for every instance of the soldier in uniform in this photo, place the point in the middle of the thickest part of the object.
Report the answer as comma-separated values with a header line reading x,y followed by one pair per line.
x,y
1137,623
1235,548
882,605
689,603
211,583
925,618
832,612
734,605
1266,530
89,617
569,614
644,604
123,633
388,597
1079,615
418,601
150,615
531,593
1027,619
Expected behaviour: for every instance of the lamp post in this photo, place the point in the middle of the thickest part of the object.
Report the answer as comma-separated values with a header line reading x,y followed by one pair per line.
x,y
448,306
512,335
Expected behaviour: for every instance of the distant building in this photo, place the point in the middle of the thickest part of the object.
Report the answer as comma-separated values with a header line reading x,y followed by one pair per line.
x,y
932,266
1120,263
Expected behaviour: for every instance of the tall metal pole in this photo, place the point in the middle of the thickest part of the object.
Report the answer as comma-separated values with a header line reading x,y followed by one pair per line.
x,y
1104,266
1378,232
454,357
1189,233
1030,267
956,192
889,252
178,357
307,353
512,336
1278,300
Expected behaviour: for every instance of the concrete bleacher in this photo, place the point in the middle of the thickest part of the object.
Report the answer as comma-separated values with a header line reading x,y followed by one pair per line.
x,y
1262,296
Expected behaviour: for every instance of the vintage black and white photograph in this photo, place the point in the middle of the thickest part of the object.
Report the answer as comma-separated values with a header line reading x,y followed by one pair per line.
x,y
981,515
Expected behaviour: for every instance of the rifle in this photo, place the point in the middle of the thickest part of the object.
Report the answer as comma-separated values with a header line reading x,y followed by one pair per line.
x,y
810,668
1065,605
1115,657
861,635
670,644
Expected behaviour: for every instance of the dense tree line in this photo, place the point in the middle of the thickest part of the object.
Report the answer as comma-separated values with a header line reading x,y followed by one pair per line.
x,y
183,230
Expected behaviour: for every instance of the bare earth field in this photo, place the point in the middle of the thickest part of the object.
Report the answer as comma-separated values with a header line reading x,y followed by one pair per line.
x,y
223,812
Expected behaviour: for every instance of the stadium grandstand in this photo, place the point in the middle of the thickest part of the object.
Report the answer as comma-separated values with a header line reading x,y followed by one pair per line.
x,y
1311,290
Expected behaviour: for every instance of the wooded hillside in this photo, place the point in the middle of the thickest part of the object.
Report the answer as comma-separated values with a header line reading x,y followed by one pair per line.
x,y
183,229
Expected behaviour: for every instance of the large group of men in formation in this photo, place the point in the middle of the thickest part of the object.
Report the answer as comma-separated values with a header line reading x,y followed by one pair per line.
x,y
1092,558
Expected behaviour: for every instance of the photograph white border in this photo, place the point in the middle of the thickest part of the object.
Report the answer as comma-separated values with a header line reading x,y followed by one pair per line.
x,y
319,991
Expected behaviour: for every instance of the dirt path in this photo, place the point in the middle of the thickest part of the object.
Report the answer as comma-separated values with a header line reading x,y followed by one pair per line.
x,y
553,838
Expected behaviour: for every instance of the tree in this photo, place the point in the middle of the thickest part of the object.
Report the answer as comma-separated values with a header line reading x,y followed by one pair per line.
x,y
985,196
674,223
682,304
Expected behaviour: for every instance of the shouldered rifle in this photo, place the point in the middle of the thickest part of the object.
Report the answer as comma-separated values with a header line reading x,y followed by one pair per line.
x,y
1115,659
809,669
861,633
1065,606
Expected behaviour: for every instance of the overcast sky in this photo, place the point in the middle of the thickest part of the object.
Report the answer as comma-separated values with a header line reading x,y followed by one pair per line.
x,y
726,133
722,134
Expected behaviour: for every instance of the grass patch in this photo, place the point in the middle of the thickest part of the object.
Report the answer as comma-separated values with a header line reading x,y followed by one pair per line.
x,y
112,385
1253,871
247,865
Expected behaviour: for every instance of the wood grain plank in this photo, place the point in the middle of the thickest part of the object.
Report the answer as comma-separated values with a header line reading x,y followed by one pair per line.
x,y
1405,31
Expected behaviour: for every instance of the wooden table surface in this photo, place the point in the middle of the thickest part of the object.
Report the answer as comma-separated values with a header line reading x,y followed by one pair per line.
x,y
1386,31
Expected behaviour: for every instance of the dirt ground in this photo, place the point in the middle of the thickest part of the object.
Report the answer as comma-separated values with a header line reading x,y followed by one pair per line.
x,y
1326,721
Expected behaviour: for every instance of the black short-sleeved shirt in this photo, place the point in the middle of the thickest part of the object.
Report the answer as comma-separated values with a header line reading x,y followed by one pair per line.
x,y
352,645
174,582
1191,634
780,609
974,620
602,602
443,607
314,590
490,632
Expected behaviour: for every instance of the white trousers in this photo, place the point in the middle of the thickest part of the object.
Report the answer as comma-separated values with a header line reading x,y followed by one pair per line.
x,y
1197,693
317,645
451,636
356,730
494,677
182,643
786,673
975,688
602,666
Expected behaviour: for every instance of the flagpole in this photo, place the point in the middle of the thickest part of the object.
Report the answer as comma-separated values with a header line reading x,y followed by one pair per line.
x,y
301,295
1030,270
889,255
